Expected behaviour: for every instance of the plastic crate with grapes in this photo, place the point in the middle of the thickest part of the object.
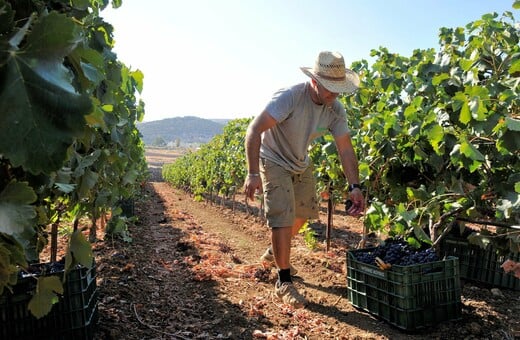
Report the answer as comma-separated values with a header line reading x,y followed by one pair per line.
x,y
73,317
409,288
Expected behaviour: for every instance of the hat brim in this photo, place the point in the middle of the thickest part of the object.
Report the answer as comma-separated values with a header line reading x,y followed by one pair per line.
x,y
347,85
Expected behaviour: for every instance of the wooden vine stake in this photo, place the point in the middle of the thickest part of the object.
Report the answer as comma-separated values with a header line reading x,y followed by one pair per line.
x,y
330,213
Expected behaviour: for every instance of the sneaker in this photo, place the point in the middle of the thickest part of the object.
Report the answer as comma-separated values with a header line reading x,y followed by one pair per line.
x,y
289,295
269,257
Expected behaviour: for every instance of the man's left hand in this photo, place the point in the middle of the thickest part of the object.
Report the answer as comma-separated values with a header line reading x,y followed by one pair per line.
x,y
358,203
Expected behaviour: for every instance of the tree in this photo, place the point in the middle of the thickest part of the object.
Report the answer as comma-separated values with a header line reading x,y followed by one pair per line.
x,y
159,141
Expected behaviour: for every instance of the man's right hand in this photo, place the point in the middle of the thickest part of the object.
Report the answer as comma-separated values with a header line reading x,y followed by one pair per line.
x,y
252,185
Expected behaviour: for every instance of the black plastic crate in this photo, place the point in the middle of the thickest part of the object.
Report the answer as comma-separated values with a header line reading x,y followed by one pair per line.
x,y
128,207
74,316
481,265
408,297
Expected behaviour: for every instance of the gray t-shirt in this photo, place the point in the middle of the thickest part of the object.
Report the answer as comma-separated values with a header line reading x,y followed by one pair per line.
x,y
300,121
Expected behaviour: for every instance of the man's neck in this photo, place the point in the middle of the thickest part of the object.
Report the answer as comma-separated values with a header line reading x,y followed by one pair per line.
x,y
314,94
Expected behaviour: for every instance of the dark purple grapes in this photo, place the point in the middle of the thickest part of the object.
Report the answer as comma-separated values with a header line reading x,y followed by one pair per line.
x,y
397,252
37,269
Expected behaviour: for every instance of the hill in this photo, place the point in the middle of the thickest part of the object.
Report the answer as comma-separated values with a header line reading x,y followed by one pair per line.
x,y
186,130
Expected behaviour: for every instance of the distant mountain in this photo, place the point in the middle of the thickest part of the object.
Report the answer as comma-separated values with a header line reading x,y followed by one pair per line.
x,y
221,121
187,130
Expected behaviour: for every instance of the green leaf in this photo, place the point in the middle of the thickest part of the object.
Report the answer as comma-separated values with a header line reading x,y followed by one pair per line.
x,y
16,251
408,216
52,37
91,63
16,213
420,194
96,119
435,136
81,4
65,188
46,289
117,3
138,77
8,271
37,99
43,117
18,192
87,182
11,258
458,100
84,162
439,78
470,151
421,234
515,66
413,242
329,148
510,141
130,176
513,124
81,249
465,113
478,95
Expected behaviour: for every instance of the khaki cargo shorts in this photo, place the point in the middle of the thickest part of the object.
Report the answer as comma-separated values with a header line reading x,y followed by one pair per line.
x,y
287,195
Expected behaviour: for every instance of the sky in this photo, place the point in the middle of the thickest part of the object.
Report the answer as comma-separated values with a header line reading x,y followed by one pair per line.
x,y
223,59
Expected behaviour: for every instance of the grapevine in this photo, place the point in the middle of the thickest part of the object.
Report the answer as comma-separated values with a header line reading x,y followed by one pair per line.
x,y
438,132
70,147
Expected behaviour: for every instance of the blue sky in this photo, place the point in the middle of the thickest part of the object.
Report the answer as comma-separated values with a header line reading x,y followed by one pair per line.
x,y
225,58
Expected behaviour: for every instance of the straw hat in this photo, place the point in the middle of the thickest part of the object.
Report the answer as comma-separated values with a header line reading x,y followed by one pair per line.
x,y
330,71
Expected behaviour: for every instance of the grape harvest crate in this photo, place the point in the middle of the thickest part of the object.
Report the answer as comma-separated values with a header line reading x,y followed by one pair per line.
x,y
479,264
73,317
408,297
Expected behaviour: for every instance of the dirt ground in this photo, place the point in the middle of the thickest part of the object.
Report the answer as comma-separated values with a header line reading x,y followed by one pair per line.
x,y
192,271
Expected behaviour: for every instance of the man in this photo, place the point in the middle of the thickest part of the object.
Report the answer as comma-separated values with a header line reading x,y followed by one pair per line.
x,y
276,144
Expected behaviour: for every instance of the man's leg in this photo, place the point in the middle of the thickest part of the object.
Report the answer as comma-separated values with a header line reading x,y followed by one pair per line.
x,y
279,210
269,256
284,288
298,223
281,242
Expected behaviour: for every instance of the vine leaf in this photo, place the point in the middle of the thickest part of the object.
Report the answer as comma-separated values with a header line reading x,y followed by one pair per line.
x,y
38,103
513,124
8,269
79,250
53,37
15,250
16,213
46,289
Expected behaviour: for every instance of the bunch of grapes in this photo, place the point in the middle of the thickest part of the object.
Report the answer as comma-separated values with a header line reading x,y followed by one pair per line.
x,y
418,257
37,269
397,252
